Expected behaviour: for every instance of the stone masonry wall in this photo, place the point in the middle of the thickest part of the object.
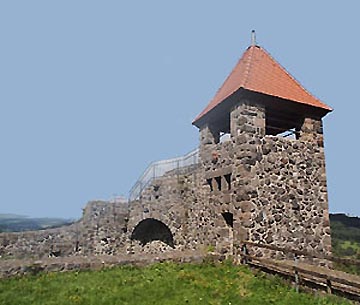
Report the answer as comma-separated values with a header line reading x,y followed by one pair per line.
x,y
168,199
104,228
278,189
36,244
101,231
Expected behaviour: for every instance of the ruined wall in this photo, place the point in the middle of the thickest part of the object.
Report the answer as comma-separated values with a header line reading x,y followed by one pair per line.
x,y
168,199
35,244
100,231
104,227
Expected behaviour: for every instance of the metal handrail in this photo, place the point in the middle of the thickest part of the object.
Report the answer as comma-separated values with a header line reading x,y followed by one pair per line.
x,y
160,168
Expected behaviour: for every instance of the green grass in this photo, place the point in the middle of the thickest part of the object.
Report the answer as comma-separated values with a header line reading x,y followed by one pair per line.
x,y
158,284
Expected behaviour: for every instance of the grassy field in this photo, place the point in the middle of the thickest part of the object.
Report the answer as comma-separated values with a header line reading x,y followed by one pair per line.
x,y
177,284
157,284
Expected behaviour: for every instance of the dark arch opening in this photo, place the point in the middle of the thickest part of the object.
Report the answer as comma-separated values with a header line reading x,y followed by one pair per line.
x,y
151,229
229,218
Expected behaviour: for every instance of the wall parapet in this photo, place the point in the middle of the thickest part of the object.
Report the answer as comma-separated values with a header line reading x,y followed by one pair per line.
x,y
160,168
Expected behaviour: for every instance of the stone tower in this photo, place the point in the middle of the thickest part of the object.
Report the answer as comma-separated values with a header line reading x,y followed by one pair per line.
x,y
262,159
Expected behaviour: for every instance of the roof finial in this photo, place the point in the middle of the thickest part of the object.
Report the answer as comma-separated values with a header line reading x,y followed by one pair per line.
x,y
253,38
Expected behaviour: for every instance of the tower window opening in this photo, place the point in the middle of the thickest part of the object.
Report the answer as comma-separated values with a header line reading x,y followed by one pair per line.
x,y
228,181
282,124
209,181
218,130
225,137
218,182
290,134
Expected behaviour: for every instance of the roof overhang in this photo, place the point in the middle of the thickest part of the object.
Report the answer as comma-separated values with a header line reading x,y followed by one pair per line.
x,y
223,109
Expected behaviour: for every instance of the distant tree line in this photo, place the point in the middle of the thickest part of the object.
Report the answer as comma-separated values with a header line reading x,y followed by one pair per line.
x,y
30,224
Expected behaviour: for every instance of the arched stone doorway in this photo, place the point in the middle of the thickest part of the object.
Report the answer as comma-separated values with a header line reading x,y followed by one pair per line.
x,y
151,229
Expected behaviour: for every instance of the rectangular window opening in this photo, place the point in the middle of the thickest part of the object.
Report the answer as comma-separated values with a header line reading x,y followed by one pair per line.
x,y
218,182
209,181
284,124
290,134
228,181
225,137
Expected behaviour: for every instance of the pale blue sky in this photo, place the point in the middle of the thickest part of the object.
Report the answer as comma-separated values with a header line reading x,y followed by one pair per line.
x,y
92,91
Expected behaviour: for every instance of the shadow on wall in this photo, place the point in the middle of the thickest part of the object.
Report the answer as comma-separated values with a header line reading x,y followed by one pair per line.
x,y
151,229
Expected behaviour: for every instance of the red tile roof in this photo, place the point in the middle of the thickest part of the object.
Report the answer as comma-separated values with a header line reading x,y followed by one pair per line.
x,y
258,71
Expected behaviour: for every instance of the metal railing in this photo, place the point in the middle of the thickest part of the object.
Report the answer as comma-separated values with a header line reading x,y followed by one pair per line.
x,y
160,168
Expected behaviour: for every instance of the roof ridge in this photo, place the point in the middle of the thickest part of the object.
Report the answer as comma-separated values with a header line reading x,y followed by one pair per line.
x,y
248,66
298,83
223,84
231,73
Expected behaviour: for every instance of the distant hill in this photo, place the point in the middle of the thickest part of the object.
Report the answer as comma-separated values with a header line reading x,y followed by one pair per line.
x,y
345,239
7,216
17,223
348,221
345,228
